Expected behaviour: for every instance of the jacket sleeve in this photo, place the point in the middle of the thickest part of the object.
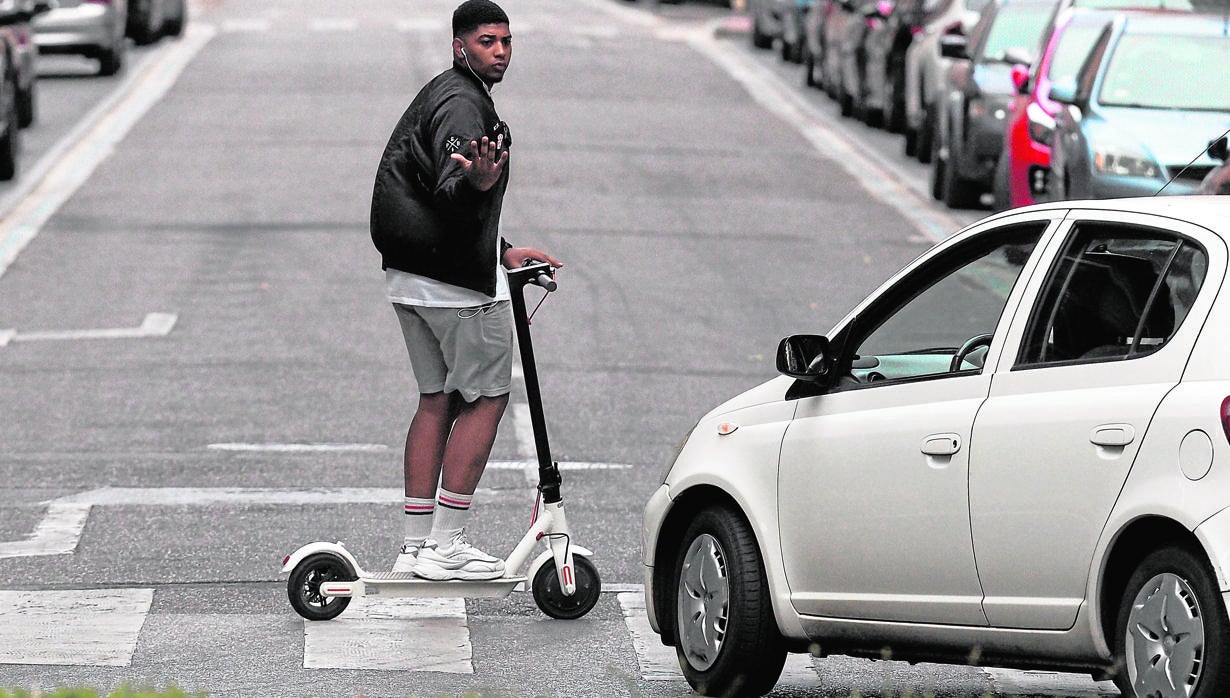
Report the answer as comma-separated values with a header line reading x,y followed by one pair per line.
x,y
455,123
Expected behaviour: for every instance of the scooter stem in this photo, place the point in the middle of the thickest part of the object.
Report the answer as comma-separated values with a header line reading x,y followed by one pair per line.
x,y
548,473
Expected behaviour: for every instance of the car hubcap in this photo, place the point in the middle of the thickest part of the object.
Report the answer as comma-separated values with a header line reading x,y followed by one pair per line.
x,y
1165,639
704,601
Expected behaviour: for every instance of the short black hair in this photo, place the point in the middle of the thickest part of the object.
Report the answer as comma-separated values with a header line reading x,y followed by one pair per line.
x,y
472,13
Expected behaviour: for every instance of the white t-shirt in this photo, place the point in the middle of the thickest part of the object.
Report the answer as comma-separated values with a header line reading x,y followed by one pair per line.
x,y
405,288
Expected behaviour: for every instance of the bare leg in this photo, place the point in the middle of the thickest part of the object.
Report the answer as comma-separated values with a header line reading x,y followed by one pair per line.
x,y
469,446
425,444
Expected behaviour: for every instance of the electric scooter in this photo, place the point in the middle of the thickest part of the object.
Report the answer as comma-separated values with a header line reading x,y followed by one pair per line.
x,y
324,577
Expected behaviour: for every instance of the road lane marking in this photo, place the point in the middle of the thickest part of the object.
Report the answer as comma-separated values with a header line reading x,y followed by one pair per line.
x,y
154,325
60,529
89,627
245,26
298,448
60,172
333,24
392,634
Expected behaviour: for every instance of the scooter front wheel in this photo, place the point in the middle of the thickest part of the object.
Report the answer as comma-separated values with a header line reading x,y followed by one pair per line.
x,y
305,581
550,596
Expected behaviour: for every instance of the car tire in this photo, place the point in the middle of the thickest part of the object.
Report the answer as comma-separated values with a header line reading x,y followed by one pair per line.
x,y
894,99
759,38
27,105
10,142
926,135
1000,184
910,147
719,575
939,167
173,26
1172,626
809,68
959,192
111,60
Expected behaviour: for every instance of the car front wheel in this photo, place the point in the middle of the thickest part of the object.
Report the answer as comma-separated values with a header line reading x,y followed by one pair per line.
x,y
725,634
1172,629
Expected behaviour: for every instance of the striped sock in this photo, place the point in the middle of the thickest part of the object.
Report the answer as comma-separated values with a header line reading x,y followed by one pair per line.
x,y
453,510
418,522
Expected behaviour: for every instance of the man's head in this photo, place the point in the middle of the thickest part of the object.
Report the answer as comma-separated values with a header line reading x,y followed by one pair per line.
x,y
481,39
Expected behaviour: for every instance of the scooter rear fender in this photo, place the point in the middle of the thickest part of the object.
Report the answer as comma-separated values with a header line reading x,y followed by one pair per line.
x,y
321,547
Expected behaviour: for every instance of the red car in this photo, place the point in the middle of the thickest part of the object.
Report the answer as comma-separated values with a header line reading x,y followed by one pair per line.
x,y
1023,172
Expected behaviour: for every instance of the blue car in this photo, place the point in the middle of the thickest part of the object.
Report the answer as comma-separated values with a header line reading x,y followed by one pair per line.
x,y
1139,117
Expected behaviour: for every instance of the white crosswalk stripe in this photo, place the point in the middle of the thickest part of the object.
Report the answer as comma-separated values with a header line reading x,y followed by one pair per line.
x,y
392,634
88,627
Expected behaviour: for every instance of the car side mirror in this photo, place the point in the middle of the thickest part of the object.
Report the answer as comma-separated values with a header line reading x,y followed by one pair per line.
x,y
1064,92
1220,149
1020,78
804,357
954,46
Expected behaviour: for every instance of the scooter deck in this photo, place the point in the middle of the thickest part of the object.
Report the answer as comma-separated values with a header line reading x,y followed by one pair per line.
x,y
406,584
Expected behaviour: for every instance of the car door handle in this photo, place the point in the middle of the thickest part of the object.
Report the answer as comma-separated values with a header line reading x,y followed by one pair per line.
x,y
1113,435
941,444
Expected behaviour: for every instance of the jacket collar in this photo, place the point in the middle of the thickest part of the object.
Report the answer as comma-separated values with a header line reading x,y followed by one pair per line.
x,y
466,72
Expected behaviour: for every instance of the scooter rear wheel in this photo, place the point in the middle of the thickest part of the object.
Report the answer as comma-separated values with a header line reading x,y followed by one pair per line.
x,y
305,581
550,596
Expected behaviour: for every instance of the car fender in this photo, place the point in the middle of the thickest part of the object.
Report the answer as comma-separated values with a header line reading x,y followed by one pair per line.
x,y
338,549
1214,536
743,464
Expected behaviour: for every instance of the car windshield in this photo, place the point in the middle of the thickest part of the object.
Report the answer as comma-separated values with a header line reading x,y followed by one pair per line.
x,y
1191,79
1073,49
975,5
1016,26
1140,4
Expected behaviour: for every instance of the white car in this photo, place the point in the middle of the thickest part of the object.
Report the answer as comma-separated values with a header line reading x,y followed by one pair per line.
x,y
1016,452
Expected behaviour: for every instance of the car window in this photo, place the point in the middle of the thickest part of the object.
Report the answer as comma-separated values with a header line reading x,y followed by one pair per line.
x,y
1117,292
1073,48
976,5
1137,4
1133,79
928,316
1018,25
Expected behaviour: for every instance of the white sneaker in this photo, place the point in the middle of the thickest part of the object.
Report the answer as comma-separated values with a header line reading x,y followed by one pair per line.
x,y
406,559
456,559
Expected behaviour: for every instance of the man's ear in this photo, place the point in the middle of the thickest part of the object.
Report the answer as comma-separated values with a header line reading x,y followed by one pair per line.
x,y
457,47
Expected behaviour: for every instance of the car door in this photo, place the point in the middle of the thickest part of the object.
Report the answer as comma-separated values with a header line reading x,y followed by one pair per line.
x,y
874,511
1094,356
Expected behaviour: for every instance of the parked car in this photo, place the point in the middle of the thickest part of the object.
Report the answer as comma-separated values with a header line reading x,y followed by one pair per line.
x,y
969,134
1023,170
1016,450
93,28
859,74
844,52
885,50
18,39
1143,108
843,20
766,22
17,80
794,19
174,17
925,69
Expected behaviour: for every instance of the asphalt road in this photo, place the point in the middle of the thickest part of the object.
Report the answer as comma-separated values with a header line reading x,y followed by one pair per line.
x,y
197,355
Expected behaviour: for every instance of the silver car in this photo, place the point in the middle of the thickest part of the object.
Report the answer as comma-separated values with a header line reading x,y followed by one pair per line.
x,y
95,29
1016,452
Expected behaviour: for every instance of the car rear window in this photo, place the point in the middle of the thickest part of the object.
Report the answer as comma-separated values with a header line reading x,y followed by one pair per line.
x,y
1073,49
1133,78
1117,292
1018,25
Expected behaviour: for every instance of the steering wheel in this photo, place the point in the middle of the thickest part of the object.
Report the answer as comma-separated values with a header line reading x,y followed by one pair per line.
x,y
982,340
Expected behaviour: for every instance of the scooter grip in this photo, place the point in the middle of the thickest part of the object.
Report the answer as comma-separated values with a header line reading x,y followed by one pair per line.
x,y
545,280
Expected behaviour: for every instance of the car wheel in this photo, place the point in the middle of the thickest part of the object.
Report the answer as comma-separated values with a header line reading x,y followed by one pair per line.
x,y
894,100
1001,183
725,633
174,25
10,142
926,135
809,68
1171,634
111,60
759,38
959,192
27,105
939,167
911,142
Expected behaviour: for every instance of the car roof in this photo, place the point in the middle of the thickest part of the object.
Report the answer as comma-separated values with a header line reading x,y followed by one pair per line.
x,y
1212,212
1170,22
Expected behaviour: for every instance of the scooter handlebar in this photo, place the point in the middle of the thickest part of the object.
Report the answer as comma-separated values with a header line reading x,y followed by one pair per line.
x,y
537,273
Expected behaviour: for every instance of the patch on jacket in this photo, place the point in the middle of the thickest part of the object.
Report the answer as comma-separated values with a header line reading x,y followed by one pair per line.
x,y
452,144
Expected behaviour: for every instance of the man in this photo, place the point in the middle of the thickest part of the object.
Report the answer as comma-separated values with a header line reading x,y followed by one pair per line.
x,y
435,220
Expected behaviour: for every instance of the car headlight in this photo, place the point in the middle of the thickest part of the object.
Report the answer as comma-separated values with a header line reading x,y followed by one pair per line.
x,y
670,463
1120,160
1041,124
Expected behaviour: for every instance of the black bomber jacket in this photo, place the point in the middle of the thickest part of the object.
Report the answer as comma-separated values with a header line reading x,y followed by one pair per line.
x,y
426,218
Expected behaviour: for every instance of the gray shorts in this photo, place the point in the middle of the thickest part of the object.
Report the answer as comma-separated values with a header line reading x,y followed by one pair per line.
x,y
463,350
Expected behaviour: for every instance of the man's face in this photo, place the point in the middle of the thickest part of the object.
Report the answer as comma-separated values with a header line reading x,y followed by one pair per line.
x,y
488,49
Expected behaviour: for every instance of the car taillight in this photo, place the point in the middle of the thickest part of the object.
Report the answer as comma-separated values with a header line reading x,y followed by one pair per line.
x,y
1225,417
